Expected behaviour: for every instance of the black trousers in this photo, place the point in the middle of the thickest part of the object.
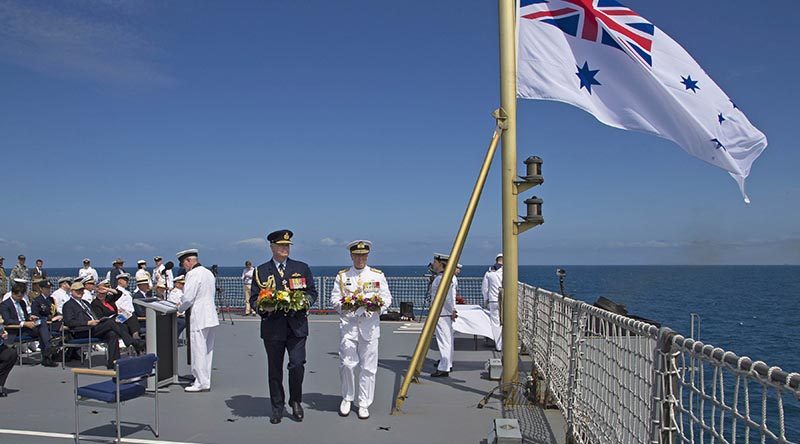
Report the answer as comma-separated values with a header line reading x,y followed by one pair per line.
x,y
42,334
112,332
297,360
8,357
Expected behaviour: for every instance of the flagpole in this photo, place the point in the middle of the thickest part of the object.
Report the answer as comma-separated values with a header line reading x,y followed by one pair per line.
x,y
508,105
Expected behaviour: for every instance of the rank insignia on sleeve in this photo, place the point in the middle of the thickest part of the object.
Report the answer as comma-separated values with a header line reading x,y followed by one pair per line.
x,y
295,275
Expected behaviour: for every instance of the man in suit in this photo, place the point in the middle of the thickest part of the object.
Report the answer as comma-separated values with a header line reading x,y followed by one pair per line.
x,y
15,311
80,319
198,294
116,270
284,332
37,274
142,292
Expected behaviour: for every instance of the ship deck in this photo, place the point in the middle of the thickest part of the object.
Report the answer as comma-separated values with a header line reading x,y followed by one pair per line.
x,y
39,408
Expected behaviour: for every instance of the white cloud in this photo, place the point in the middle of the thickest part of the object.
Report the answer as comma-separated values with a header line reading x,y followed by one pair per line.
x,y
75,43
328,241
11,243
253,242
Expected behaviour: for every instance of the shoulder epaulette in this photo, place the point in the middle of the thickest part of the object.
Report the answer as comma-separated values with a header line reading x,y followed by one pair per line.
x,y
376,270
343,271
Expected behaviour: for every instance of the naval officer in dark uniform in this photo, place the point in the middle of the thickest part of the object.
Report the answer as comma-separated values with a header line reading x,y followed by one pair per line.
x,y
284,332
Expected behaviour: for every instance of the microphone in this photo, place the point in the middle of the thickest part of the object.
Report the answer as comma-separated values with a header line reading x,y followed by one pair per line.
x,y
168,266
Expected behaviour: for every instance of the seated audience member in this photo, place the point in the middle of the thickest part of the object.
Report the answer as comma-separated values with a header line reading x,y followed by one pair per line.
x,y
15,311
104,305
8,357
175,296
82,322
142,292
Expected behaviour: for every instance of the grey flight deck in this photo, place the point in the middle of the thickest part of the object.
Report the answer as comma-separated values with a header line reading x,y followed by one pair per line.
x,y
237,408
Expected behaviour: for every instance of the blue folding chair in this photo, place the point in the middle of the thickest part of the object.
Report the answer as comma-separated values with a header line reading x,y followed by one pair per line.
x,y
84,344
20,341
128,381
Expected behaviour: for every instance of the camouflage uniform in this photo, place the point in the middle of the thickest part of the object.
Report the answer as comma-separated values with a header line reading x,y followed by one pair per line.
x,y
3,280
20,272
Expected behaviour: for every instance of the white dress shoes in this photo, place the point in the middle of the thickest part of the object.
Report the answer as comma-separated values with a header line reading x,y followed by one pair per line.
x,y
363,413
344,408
196,389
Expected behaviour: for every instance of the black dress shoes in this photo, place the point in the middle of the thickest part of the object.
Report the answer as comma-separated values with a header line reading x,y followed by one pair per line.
x,y
297,411
440,374
277,415
47,362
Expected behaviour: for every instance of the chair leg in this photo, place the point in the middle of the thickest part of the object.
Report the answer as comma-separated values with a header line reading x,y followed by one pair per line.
x,y
156,391
119,434
77,426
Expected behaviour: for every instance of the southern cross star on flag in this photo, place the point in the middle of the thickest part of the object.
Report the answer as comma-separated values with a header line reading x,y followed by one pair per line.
x,y
604,58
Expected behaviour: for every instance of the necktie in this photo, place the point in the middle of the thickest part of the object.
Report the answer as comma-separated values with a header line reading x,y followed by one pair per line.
x,y
20,312
86,309
281,268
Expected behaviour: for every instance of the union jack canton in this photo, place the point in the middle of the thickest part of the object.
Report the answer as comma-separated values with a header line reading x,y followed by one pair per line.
x,y
603,21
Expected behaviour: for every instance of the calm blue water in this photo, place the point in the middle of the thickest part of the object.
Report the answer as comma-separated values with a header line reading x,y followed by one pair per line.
x,y
750,310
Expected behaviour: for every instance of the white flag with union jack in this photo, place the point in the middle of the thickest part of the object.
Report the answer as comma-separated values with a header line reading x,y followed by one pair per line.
x,y
602,57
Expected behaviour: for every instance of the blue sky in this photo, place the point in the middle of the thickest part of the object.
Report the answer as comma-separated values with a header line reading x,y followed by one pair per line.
x,y
137,128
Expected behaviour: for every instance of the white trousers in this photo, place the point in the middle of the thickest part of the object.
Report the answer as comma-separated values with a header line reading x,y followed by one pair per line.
x,y
363,354
444,339
202,355
497,329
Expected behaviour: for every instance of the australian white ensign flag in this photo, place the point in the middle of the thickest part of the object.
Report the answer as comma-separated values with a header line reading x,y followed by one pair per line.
x,y
604,58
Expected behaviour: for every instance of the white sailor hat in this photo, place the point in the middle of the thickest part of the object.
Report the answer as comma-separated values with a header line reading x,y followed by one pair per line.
x,y
459,266
125,276
441,257
142,280
86,260
141,262
104,282
87,280
179,279
359,246
20,281
65,280
181,255
157,258
499,255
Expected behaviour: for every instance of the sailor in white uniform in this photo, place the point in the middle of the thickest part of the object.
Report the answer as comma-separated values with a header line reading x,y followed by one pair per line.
x,y
125,301
62,294
444,327
360,328
198,294
491,287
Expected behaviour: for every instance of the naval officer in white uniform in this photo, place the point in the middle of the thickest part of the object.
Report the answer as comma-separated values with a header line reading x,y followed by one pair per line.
x,y
444,327
359,329
491,287
198,294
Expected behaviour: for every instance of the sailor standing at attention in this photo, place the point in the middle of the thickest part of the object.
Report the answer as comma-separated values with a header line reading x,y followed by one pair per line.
x,y
198,294
281,331
491,287
444,327
359,328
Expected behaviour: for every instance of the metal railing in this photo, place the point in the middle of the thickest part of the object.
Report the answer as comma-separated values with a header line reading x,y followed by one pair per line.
x,y
619,380
230,295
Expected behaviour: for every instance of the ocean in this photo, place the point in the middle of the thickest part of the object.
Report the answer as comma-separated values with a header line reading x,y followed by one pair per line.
x,y
749,310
